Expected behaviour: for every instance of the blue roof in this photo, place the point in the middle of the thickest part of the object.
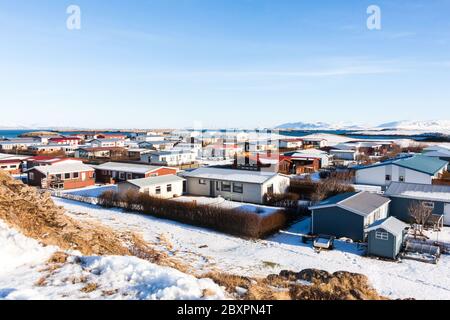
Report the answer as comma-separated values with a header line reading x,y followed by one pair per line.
x,y
419,163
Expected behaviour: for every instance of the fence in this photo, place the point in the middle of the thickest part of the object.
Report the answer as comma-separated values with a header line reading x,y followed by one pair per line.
x,y
74,197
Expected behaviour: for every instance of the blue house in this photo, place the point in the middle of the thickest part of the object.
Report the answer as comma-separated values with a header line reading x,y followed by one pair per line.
x,y
435,197
386,237
348,215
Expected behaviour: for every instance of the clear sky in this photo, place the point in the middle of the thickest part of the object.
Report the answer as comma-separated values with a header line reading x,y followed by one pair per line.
x,y
223,63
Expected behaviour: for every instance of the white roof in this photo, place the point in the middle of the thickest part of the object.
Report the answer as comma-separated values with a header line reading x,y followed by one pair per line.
x,y
151,181
391,224
419,191
127,167
231,175
63,168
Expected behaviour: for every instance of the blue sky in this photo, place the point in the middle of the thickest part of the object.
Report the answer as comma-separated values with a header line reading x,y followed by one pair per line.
x,y
222,63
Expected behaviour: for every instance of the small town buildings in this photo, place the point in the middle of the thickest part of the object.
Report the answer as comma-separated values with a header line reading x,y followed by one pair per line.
x,y
11,166
107,143
66,149
171,158
19,144
415,169
235,185
61,176
348,215
74,141
314,143
114,172
439,152
118,136
350,155
385,238
294,143
193,147
258,162
435,197
100,152
166,187
136,153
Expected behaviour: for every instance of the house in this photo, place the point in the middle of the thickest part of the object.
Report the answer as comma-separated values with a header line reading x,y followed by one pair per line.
x,y
62,176
11,166
158,145
194,147
347,215
415,169
350,155
385,238
103,143
304,161
100,152
257,162
113,172
172,158
435,197
18,144
166,187
74,141
136,153
235,185
294,143
66,149
108,136
314,143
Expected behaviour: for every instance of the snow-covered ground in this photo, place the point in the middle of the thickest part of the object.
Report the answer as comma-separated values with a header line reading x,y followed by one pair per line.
x,y
207,250
25,274
93,191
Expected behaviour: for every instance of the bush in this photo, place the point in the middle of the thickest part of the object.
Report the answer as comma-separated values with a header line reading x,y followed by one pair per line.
x,y
231,221
317,191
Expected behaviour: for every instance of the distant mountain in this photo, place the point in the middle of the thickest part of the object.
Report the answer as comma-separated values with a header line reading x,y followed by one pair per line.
x,y
319,126
428,125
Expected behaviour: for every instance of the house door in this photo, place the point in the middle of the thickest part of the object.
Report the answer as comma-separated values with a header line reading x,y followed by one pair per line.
x,y
83,176
212,186
447,214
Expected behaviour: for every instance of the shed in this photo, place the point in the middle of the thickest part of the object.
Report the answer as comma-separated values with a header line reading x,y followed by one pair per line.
x,y
348,214
385,237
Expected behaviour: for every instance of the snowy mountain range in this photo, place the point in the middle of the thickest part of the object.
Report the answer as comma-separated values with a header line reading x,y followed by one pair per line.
x,y
438,126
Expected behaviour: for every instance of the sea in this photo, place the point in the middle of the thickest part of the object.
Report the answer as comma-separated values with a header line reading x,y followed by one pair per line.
x,y
294,133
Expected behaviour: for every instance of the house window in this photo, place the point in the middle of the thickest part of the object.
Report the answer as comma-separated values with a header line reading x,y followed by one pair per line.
x,y
401,179
58,177
169,188
158,190
381,235
129,176
388,177
270,189
31,175
202,181
238,187
76,175
67,176
428,204
226,186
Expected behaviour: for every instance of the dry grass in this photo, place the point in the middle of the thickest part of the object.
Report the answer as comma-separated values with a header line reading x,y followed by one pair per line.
x,y
90,287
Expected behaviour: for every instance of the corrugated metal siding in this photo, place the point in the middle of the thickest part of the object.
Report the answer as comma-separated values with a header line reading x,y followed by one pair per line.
x,y
338,222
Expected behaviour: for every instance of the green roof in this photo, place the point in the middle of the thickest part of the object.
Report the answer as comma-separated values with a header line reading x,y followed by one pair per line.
x,y
423,164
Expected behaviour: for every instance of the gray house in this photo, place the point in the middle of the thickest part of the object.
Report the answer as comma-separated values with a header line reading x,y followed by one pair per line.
x,y
235,185
349,214
385,237
403,195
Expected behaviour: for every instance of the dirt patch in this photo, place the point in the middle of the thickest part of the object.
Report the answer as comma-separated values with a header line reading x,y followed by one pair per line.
x,y
35,215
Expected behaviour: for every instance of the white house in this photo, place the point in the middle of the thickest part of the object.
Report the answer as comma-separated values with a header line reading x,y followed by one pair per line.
x,y
149,138
416,169
166,187
170,157
291,143
194,147
235,185
102,143
344,154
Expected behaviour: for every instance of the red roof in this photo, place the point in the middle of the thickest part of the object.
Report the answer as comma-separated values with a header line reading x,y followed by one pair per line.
x,y
64,139
10,161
